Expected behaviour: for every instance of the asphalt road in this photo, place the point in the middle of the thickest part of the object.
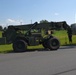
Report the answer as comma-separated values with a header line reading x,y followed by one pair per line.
x,y
60,62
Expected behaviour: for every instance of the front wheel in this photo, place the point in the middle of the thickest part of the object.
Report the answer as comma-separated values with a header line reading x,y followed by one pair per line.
x,y
53,44
19,46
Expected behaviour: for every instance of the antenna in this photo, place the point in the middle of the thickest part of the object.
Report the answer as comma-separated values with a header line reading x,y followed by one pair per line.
x,y
31,21
75,17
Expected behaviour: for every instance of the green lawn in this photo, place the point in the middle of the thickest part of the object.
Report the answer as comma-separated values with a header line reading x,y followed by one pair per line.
x,y
5,48
61,35
63,38
0,33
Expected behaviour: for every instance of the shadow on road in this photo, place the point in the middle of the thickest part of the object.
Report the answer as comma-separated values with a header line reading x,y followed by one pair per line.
x,y
67,47
42,49
31,50
65,71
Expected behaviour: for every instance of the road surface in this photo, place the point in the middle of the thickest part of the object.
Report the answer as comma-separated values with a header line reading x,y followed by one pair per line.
x,y
60,62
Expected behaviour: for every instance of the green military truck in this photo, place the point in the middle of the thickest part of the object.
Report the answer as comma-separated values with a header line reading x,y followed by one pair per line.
x,y
22,36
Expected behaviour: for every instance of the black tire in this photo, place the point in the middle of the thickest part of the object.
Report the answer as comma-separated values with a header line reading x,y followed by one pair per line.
x,y
19,46
45,44
53,44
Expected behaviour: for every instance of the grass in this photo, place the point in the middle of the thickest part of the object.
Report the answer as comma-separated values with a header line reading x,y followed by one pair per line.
x,y
0,33
61,35
6,48
63,38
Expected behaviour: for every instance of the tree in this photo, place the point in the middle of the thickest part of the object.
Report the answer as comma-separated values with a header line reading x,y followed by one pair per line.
x,y
65,25
1,28
73,26
43,21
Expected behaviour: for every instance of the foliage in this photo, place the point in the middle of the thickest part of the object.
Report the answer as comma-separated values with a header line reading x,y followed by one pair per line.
x,y
1,28
43,21
73,27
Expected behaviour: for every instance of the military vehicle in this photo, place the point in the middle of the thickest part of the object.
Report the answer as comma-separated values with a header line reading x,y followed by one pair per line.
x,y
21,36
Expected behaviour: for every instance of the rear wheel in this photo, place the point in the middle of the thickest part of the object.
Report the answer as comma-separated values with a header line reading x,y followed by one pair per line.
x,y
20,46
45,44
53,44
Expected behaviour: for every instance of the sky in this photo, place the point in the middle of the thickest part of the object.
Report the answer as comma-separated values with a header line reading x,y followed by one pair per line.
x,y
15,12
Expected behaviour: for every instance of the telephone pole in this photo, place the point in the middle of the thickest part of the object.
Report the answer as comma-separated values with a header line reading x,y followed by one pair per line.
x,y
75,17
31,21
